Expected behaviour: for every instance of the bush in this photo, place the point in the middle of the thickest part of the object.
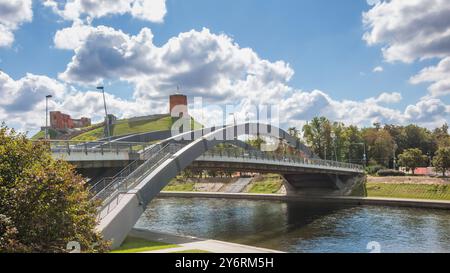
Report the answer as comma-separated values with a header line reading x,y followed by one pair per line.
x,y
43,204
387,172
373,169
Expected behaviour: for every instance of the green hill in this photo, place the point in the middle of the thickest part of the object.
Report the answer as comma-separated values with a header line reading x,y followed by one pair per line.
x,y
127,126
41,134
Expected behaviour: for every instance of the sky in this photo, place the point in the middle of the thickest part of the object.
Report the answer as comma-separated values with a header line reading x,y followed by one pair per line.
x,y
358,62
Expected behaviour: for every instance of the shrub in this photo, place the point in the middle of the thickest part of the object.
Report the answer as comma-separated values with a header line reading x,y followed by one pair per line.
x,y
387,172
43,204
373,169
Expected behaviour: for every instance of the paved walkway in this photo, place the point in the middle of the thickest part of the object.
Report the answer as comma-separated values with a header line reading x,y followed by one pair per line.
x,y
192,243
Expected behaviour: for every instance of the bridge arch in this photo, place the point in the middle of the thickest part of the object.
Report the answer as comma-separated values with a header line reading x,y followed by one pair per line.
x,y
118,223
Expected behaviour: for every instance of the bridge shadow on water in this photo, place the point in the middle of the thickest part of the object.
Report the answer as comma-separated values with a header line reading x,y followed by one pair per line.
x,y
258,223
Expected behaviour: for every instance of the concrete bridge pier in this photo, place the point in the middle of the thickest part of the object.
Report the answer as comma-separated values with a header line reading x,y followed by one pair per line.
x,y
322,184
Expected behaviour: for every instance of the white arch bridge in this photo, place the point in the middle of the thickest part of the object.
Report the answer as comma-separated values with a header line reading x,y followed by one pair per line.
x,y
145,169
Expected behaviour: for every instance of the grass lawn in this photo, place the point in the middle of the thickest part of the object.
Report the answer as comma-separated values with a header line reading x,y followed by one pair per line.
x,y
413,191
41,134
270,184
125,127
134,245
177,186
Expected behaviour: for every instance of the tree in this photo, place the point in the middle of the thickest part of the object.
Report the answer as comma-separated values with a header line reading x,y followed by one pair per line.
x,y
293,131
317,134
441,136
412,158
256,142
354,151
380,145
339,141
441,161
43,203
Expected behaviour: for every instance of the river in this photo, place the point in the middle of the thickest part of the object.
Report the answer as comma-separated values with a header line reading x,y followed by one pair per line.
x,y
300,227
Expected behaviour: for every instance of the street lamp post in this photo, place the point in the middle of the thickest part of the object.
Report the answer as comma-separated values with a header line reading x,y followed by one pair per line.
x,y
333,136
394,162
106,113
364,155
46,115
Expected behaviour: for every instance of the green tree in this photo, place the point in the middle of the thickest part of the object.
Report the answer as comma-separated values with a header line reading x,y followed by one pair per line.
x,y
43,203
354,151
441,161
441,136
256,142
339,141
293,131
317,134
412,158
380,145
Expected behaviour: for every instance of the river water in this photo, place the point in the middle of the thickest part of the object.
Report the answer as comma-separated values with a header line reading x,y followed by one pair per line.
x,y
300,227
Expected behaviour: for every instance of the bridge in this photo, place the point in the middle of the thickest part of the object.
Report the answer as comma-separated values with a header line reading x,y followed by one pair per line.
x,y
141,165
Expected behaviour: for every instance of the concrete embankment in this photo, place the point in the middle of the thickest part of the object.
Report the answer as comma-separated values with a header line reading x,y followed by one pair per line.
x,y
394,202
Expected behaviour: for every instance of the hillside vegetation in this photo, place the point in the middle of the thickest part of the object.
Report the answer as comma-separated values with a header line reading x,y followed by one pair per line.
x,y
126,127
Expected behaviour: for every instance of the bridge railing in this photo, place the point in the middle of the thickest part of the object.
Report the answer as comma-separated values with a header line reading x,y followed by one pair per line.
x,y
112,193
70,146
105,182
288,158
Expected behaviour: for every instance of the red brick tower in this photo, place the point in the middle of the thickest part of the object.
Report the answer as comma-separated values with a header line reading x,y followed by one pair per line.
x,y
178,106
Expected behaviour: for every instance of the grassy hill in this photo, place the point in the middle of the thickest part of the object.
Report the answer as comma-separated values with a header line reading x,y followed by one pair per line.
x,y
41,134
128,126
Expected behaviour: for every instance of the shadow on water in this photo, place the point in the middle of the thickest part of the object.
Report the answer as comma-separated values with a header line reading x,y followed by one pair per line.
x,y
301,227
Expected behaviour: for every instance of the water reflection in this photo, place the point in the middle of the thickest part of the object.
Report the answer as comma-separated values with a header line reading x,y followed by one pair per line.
x,y
301,227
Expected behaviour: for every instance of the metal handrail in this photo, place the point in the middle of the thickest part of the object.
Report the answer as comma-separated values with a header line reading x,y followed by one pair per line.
x,y
129,178
71,146
240,153
105,182
112,193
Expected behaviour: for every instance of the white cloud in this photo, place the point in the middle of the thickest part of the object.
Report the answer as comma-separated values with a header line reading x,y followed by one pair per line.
x,y
80,10
378,69
387,98
25,106
429,112
373,2
72,37
202,63
409,30
439,75
414,30
217,69
13,13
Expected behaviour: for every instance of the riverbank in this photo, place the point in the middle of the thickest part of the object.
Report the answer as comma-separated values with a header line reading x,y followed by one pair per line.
x,y
268,183
407,187
374,201
145,241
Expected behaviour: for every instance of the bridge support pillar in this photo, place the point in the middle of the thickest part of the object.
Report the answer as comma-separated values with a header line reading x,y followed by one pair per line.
x,y
325,184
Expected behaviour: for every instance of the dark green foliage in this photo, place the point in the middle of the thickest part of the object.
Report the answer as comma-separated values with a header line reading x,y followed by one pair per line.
x,y
373,169
441,161
412,158
43,203
388,172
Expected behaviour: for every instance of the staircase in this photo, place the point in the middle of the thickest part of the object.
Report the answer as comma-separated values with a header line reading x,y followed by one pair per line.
x,y
110,190
239,185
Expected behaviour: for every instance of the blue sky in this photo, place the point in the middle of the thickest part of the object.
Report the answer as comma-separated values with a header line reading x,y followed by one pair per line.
x,y
321,41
